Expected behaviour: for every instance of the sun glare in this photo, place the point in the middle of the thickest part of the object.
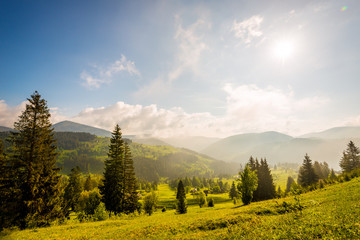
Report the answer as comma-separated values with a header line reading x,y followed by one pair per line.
x,y
283,50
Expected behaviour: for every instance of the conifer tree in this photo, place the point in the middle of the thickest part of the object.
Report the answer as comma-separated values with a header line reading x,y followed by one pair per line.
x,y
88,186
130,194
351,158
307,175
233,192
289,183
33,157
113,182
247,185
181,200
73,189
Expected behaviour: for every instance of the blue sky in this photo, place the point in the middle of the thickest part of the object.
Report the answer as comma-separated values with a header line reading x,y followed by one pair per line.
x,y
164,68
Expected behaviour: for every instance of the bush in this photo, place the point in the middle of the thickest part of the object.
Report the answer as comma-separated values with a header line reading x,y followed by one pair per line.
x,y
211,203
150,202
100,213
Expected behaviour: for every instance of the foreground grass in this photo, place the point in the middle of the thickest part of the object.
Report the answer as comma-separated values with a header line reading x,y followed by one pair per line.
x,y
330,213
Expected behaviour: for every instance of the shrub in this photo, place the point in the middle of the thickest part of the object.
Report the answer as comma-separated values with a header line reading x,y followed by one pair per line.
x,y
100,213
211,203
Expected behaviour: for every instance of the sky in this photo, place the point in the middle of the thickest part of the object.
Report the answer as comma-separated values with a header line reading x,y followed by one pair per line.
x,y
172,68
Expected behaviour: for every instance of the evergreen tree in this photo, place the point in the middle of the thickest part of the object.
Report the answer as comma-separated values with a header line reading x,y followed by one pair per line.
x,y
233,192
290,181
266,187
247,185
113,182
33,156
351,158
307,175
181,199
332,175
88,186
131,197
73,189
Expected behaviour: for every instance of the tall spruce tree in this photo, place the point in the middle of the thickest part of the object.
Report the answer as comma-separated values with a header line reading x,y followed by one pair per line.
x,y
307,175
351,158
131,197
73,189
266,187
181,199
233,192
33,156
88,186
113,182
248,184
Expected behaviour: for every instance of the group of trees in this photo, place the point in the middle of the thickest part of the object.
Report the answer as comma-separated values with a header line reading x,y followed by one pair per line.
x,y
33,193
215,186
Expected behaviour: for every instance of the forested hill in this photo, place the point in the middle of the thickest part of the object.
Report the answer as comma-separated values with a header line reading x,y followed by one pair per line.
x,y
151,162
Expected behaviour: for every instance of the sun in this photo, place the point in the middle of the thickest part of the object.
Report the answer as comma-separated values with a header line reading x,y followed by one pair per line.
x,y
284,49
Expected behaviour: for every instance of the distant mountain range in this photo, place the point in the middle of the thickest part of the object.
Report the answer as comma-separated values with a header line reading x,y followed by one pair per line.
x,y
68,126
5,129
276,147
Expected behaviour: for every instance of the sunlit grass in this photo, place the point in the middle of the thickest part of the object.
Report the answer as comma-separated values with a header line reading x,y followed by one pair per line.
x,y
332,212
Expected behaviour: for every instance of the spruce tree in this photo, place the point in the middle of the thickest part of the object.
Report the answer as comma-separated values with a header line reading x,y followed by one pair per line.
x,y
33,156
307,175
73,189
113,182
88,186
233,192
131,197
351,158
266,187
248,184
181,202
289,183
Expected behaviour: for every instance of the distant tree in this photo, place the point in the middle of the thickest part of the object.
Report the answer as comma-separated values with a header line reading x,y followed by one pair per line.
x,y
112,188
196,182
150,202
290,181
34,174
332,175
247,185
233,192
201,198
351,158
88,186
181,199
279,192
321,169
307,175
73,189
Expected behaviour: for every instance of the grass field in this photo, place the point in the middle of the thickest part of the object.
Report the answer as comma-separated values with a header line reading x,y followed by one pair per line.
x,y
331,213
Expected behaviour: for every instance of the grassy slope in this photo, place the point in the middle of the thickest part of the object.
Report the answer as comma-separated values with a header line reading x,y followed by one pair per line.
x,y
332,212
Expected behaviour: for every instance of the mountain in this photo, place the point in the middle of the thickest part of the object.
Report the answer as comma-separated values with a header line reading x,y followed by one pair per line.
x,y
279,148
5,129
195,143
336,133
68,126
150,141
232,147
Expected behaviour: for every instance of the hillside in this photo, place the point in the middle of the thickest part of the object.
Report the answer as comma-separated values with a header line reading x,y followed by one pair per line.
x,y
68,126
195,143
5,129
318,219
150,141
336,133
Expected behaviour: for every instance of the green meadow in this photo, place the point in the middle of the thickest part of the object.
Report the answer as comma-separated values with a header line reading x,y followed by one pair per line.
x,y
330,213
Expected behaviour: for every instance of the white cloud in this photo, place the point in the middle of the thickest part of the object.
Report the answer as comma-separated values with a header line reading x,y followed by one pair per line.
x,y
248,30
100,75
8,115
